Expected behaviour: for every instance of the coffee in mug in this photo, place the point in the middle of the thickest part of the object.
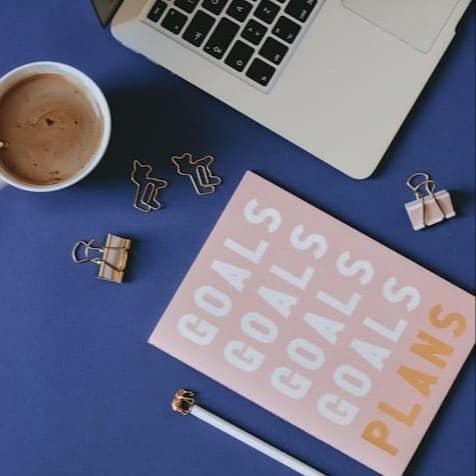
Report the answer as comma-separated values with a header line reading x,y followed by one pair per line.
x,y
51,129
54,127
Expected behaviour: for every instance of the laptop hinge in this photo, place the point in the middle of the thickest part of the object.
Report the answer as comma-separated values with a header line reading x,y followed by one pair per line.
x,y
105,9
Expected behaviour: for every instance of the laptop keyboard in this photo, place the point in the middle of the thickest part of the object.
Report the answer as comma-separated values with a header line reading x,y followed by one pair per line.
x,y
252,39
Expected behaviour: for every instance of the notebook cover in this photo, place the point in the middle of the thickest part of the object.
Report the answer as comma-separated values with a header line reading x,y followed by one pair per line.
x,y
321,325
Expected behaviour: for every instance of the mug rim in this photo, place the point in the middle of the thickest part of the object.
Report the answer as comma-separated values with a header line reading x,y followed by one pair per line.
x,y
91,87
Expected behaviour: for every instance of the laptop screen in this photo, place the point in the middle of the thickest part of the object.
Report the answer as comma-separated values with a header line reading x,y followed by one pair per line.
x,y
105,9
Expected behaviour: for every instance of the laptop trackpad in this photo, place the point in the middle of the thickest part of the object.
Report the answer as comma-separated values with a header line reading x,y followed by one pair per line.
x,y
417,22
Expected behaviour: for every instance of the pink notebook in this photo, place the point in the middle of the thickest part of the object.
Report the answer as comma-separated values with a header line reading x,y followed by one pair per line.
x,y
321,325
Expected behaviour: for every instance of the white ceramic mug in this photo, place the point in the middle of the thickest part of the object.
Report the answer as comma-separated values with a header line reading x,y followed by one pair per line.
x,y
89,87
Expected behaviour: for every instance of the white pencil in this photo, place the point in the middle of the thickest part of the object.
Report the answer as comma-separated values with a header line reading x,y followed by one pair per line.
x,y
184,403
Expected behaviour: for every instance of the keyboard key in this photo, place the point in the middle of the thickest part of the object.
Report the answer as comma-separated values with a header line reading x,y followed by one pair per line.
x,y
186,5
254,32
214,6
239,9
286,29
198,28
273,50
300,9
239,56
157,10
260,72
221,38
267,11
174,21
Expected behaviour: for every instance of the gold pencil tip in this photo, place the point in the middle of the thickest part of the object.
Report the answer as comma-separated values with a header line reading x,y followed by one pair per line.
x,y
183,401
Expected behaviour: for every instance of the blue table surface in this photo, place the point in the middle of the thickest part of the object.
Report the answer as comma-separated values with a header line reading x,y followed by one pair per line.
x,y
81,393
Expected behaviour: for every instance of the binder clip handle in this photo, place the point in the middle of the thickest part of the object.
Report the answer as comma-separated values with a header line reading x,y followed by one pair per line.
x,y
430,187
424,180
87,246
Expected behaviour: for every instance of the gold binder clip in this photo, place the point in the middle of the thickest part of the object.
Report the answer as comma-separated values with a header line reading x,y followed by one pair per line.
x,y
111,258
429,206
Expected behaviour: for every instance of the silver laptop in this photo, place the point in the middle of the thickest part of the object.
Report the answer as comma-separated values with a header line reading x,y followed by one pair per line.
x,y
335,77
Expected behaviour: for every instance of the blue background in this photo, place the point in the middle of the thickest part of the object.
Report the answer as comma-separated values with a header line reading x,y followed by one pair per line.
x,y
81,392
